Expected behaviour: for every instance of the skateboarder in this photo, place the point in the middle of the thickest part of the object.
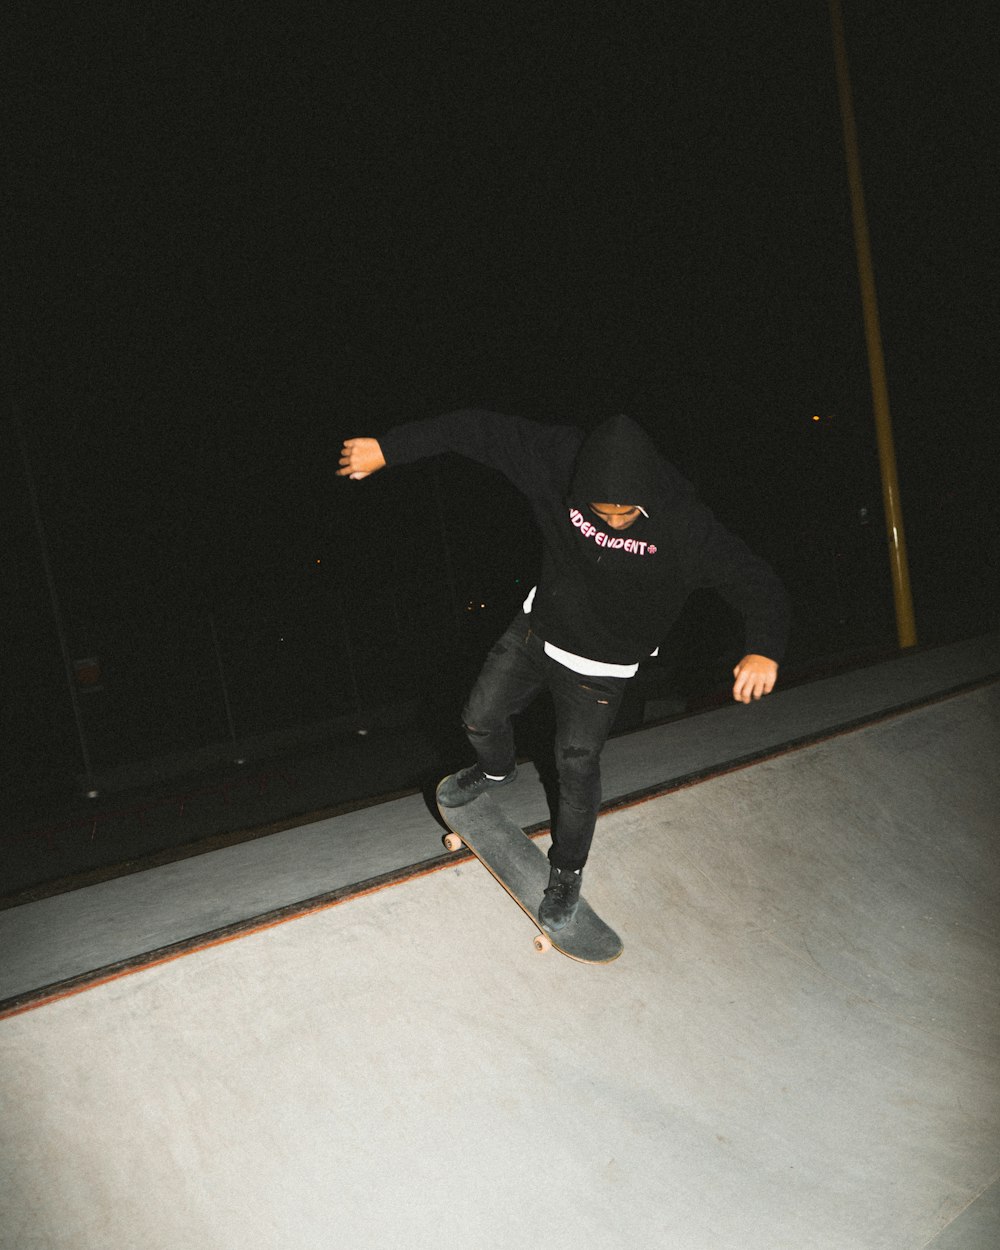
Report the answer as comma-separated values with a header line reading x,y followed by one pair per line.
x,y
624,542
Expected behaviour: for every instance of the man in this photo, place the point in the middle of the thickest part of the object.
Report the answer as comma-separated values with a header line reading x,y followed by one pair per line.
x,y
624,542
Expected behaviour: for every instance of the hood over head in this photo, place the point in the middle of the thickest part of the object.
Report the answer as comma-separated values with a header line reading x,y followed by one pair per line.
x,y
619,463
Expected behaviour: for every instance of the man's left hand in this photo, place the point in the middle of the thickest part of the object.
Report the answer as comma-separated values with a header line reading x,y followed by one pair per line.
x,y
755,676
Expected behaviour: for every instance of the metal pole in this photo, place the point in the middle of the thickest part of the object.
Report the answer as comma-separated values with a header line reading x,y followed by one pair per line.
x,y
456,614
899,567
222,680
56,610
345,633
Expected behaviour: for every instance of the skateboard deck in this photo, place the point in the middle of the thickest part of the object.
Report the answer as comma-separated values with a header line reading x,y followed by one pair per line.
x,y
522,868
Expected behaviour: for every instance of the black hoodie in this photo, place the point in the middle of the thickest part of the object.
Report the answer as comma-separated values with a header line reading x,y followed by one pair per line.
x,y
603,594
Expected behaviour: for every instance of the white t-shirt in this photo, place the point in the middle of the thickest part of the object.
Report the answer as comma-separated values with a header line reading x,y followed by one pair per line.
x,y
579,663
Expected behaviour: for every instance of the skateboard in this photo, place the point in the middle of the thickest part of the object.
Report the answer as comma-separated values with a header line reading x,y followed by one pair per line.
x,y
522,868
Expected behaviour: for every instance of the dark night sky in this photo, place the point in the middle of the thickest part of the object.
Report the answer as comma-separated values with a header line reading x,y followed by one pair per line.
x,y
244,235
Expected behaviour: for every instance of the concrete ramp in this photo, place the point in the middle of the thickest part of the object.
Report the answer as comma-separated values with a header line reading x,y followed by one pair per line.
x,y
800,1047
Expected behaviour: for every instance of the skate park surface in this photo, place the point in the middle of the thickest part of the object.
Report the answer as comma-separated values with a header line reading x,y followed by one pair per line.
x,y
338,1035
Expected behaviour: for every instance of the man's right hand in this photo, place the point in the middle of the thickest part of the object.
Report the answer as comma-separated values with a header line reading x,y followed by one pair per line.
x,y
360,457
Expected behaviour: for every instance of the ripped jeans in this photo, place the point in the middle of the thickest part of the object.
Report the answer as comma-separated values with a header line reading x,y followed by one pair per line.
x,y
516,670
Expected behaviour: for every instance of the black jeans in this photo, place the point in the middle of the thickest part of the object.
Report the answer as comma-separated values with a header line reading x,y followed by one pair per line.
x,y
516,670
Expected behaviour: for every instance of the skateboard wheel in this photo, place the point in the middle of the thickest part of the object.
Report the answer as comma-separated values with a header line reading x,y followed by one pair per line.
x,y
452,841
543,943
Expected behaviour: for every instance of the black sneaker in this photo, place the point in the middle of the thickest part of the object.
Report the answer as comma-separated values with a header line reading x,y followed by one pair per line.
x,y
470,783
562,897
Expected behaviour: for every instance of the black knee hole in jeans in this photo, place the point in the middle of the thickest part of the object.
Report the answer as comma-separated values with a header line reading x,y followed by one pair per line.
x,y
574,753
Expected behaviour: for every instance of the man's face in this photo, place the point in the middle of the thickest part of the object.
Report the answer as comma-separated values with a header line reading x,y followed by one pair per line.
x,y
616,516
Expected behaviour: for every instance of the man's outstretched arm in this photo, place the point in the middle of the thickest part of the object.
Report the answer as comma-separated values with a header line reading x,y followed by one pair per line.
x,y
360,458
534,456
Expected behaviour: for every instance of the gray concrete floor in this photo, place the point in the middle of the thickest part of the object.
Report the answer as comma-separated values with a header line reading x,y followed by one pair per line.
x,y
800,1046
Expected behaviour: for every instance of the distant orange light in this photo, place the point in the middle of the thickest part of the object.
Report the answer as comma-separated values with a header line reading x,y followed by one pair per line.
x,y
816,418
